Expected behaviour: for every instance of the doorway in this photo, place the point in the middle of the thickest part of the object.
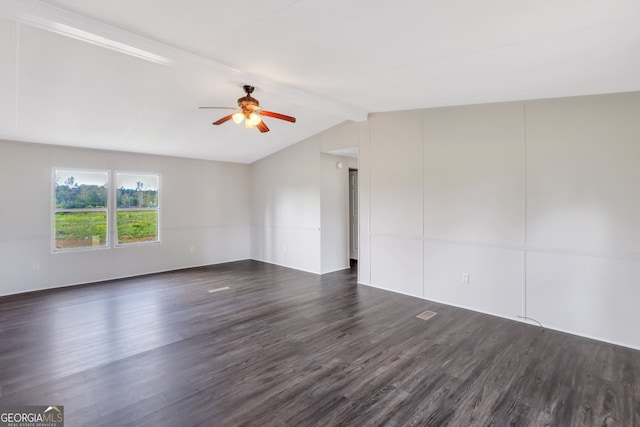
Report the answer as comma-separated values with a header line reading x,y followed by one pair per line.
x,y
353,214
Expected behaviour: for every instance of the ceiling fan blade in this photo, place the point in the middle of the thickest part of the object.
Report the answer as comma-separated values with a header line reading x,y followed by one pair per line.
x,y
262,127
222,120
278,116
217,108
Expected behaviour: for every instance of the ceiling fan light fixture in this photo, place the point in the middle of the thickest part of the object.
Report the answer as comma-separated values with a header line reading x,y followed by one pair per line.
x,y
251,113
254,119
238,117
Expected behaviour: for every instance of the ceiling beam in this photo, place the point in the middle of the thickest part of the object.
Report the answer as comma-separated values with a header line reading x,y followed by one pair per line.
x,y
50,18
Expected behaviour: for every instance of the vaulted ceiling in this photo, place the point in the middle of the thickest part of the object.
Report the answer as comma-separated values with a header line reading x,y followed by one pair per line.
x,y
130,75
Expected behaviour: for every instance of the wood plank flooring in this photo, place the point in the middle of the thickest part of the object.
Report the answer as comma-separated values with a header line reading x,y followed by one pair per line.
x,y
287,348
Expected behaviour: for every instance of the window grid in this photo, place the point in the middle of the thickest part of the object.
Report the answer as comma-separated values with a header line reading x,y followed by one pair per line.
x,y
88,215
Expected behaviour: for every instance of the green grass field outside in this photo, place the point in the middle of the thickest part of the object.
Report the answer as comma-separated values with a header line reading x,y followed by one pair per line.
x,y
89,229
137,226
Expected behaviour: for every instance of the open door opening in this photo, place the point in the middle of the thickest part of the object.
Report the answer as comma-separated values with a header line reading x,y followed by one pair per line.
x,y
353,216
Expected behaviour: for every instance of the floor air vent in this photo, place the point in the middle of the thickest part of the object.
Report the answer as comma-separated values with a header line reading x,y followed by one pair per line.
x,y
426,315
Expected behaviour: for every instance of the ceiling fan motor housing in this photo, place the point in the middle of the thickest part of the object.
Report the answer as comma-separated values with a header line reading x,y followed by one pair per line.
x,y
248,103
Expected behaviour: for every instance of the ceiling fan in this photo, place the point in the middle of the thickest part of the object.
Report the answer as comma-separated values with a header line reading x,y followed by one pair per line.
x,y
250,112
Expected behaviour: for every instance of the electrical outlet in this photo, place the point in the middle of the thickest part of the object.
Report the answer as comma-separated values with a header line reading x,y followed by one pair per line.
x,y
192,249
36,266
465,278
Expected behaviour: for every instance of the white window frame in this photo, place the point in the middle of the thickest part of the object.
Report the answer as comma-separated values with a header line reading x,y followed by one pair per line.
x,y
55,210
115,209
111,209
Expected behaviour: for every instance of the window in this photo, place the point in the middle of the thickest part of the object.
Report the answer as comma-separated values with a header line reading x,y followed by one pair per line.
x,y
85,217
81,209
137,208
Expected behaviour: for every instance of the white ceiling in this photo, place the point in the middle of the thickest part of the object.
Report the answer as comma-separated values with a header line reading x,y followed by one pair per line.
x,y
129,75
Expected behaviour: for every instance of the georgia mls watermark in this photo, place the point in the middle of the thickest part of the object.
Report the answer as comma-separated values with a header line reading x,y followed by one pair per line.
x,y
32,416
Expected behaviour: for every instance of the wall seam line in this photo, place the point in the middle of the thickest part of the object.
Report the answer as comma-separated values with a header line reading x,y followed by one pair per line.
x,y
17,92
525,198
423,202
369,201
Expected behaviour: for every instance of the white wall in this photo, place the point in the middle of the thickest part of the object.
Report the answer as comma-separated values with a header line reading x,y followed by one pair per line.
x,y
583,215
343,136
536,201
396,201
300,203
474,198
334,213
285,207
204,204
335,192
364,205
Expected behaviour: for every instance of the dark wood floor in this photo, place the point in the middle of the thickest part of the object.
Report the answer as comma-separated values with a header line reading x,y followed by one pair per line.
x,y
283,347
